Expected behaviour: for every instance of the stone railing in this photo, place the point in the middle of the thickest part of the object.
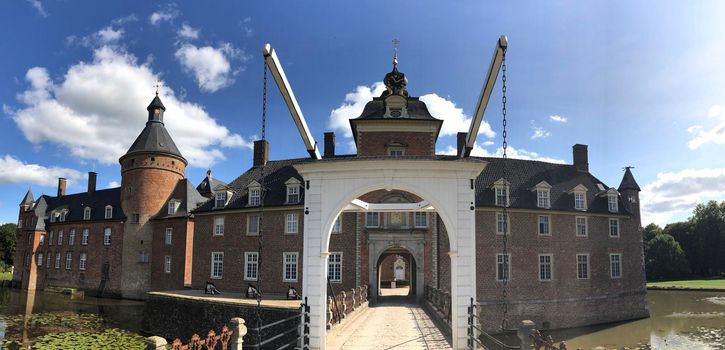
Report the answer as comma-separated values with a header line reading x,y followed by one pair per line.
x,y
440,301
344,303
228,339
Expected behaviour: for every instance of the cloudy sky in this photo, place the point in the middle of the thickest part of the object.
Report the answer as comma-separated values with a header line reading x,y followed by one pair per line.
x,y
641,84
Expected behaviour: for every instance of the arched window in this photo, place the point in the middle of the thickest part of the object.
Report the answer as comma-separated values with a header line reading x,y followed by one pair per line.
x,y
108,213
87,213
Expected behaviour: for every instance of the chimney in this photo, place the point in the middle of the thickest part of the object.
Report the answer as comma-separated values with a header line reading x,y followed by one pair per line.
x,y
261,152
329,144
61,186
92,175
581,157
461,142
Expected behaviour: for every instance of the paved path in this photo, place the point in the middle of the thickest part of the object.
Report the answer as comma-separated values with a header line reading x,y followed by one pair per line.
x,y
396,324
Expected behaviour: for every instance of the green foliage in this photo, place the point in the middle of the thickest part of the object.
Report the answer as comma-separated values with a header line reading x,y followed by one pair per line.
x,y
665,259
708,226
5,276
650,231
7,243
690,284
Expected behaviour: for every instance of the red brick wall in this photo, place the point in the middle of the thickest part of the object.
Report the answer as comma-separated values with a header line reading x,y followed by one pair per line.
x,y
345,242
182,229
374,143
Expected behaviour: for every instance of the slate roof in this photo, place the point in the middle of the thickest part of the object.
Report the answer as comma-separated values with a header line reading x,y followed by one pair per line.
x,y
28,199
628,182
154,138
375,109
206,187
75,204
188,195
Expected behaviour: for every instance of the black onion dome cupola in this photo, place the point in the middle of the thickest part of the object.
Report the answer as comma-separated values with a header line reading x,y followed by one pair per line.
x,y
395,81
154,138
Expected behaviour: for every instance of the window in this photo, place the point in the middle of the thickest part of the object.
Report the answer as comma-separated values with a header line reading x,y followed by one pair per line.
x,y
544,225
60,237
48,260
293,193
57,260
615,265
613,227
502,195
252,225
542,199
580,202
87,213
337,226
581,226
372,219
290,267
173,206
108,213
582,266
167,264
135,219
42,239
107,236
82,262
501,223
50,238
255,196
72,237
612,203
334,267
396,152
220,199
68,260
545,267
168,235
62,216
84,237
52,217
251,265
217,265
143,256
40,259
420,219
219,226
503,268
291,223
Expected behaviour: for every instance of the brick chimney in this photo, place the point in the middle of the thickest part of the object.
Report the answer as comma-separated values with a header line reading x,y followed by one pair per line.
x,y
92,182
261,152
581,157
61,186
461,142
329,144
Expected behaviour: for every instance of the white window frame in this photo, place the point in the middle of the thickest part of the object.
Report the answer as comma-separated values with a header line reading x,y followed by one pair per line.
x,y
48,260
580,200
291,223
586,226
255,196
248,263
612,265
135,218
108,212
543,198
82,260
293,190
72,236
396,151
52,216
87,213
220,263
368,216
250,231
143,256
60,237
587,270
167,263
173,207
63,215
42,239
542,264
68,260
39,260
289,261
506,264
612,228
337,226
497,195
107,236
168,236
420,215
334,267
57,260
220,199
218,226
548,225
612,203
51,236
501,225
85,236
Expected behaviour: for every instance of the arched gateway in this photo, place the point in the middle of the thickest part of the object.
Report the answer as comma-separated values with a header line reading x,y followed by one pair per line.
x,y
446,182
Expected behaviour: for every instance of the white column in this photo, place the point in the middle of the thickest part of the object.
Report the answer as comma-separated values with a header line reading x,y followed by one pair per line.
x,y
314,269
463,263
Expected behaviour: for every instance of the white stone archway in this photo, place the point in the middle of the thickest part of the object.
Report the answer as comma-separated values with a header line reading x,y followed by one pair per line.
x,y
446,183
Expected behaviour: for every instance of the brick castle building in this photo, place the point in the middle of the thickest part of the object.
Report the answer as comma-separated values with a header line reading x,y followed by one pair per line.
x,y
573,255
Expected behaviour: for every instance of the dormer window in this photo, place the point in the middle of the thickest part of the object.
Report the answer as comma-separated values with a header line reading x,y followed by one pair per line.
x,y
52,216
173,206
501,190
293,191
255,194
612,203
220,199
62,216
87,213
108,212
543,194
580,197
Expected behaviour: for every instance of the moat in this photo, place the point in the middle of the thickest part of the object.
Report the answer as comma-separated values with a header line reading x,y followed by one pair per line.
x,y
680,320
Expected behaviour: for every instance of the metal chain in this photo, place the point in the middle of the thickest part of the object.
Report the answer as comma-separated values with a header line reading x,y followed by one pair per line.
x,y
262,194
506,262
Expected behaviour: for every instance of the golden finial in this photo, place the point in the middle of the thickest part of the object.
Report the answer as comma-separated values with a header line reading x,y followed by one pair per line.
x,y
157,86
396,42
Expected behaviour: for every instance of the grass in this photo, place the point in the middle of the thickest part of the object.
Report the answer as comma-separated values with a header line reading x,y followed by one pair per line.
x,y
691,284
5,276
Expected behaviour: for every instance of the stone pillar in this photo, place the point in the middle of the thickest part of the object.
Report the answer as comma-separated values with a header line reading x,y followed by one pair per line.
x,y
155,343
239,330
524,333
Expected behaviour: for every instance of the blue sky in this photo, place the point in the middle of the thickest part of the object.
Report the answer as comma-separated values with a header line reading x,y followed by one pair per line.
x,y
641,83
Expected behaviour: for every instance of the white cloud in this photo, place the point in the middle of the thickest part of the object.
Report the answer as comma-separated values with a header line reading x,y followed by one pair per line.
x,y
13,170
125,19
106,36
188,32
715,135
539,132
557,118
679,192
165,14
211,66
511,152
98,109
454,120
38,7
113,184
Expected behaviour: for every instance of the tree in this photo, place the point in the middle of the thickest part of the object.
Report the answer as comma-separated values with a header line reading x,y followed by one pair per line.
x,y
650,231
708,226
684,234
665,259
7,243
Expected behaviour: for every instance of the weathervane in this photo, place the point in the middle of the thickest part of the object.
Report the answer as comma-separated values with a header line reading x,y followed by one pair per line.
x,y
396,42
157,86
627,167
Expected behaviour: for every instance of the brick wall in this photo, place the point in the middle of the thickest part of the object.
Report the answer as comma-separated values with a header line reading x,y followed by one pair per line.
x,y
374,143
182,229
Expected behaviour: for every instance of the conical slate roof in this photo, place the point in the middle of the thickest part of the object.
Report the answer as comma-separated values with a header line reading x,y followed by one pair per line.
x,y
154,138
28,199
628,182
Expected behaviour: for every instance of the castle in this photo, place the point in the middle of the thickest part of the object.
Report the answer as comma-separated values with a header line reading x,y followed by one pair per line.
x,y
573,255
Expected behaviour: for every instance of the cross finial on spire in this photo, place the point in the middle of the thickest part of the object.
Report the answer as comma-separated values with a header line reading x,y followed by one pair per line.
x,y
627,167
157,85
396,42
